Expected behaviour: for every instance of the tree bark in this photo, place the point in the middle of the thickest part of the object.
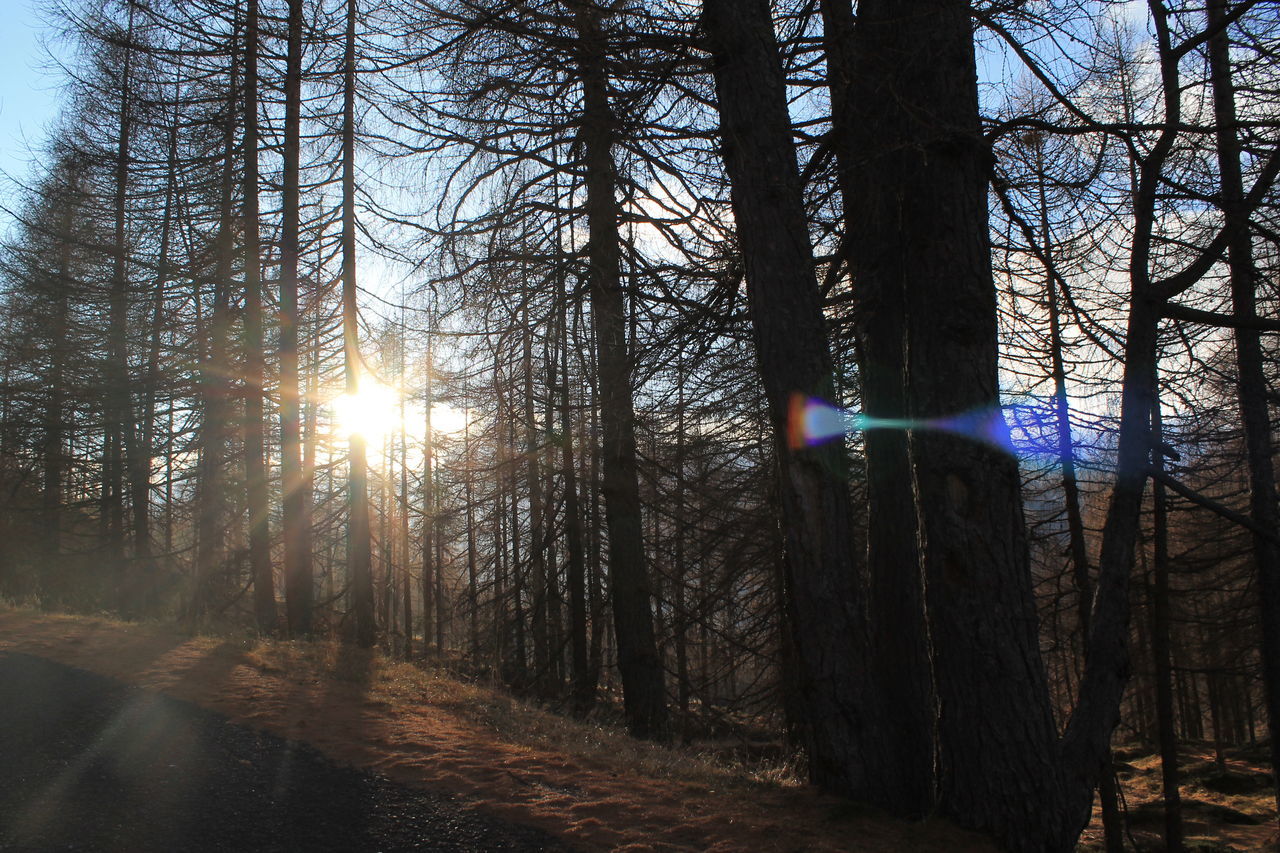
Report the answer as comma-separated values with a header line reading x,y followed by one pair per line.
x,y
264,595
299,593
583,685
1251,383
1161,633
644,695
359,550
215,375
900,661
791,347
537,544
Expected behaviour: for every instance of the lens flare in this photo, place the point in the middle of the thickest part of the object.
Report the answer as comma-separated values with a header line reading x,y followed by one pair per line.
x,y
1025,429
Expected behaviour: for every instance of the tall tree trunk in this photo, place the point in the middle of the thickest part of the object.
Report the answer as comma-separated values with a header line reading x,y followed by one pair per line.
x,y
679,580
921,174
1112,819
473,592
791,347
297,491
215,374
119,421
429,567
644,694
537,544
264,591
1251,383
54,451
359,554
899,654
1161,632
407,583
583,686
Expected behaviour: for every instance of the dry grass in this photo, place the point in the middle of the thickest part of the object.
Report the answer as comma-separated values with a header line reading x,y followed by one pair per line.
x,y
421,726
1214,820
403,685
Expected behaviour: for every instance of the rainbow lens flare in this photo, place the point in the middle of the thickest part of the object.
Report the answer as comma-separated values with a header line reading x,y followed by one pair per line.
x,y
1024,429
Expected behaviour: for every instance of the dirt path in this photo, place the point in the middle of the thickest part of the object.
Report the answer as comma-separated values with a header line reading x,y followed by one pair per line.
x,y
93,764
430,733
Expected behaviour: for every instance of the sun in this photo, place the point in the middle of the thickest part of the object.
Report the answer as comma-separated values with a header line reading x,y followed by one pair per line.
x,y
373,412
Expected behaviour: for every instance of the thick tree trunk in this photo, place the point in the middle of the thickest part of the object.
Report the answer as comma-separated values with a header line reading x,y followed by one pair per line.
x,y
644,695
791,347
297,490
921,177
1251,383
904,753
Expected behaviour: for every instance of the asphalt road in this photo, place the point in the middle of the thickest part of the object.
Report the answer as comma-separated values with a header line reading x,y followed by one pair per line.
x,y
90,764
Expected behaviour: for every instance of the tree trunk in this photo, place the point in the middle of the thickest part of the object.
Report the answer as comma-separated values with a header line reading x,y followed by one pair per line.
x,y
214,380
264,594
899,654
428,505
119,424
297,491
1251,382
644,695
537,545
583,686
1112,819
1161,632
791,348
359,551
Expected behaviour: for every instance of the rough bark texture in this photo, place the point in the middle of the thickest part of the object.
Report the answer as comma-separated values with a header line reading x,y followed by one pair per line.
x,y
795,364
922,172
904,752
644,695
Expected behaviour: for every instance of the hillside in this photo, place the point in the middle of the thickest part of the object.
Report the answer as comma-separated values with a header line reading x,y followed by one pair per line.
x,y
422,728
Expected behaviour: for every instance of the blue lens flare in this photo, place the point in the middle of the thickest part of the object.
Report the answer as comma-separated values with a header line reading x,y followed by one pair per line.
x,y
1025,429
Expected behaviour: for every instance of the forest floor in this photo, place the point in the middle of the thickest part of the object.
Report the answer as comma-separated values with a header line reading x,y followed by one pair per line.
x,y
590,785
422,728
1225,808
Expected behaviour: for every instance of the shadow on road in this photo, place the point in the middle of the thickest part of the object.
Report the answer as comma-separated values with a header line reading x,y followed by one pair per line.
x,y
92,764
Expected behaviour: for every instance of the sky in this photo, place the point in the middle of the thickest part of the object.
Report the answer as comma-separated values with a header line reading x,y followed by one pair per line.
x,y
29,90
28,95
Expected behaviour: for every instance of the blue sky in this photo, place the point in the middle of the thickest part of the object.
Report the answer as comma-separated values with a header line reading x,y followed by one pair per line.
x,y
28,94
